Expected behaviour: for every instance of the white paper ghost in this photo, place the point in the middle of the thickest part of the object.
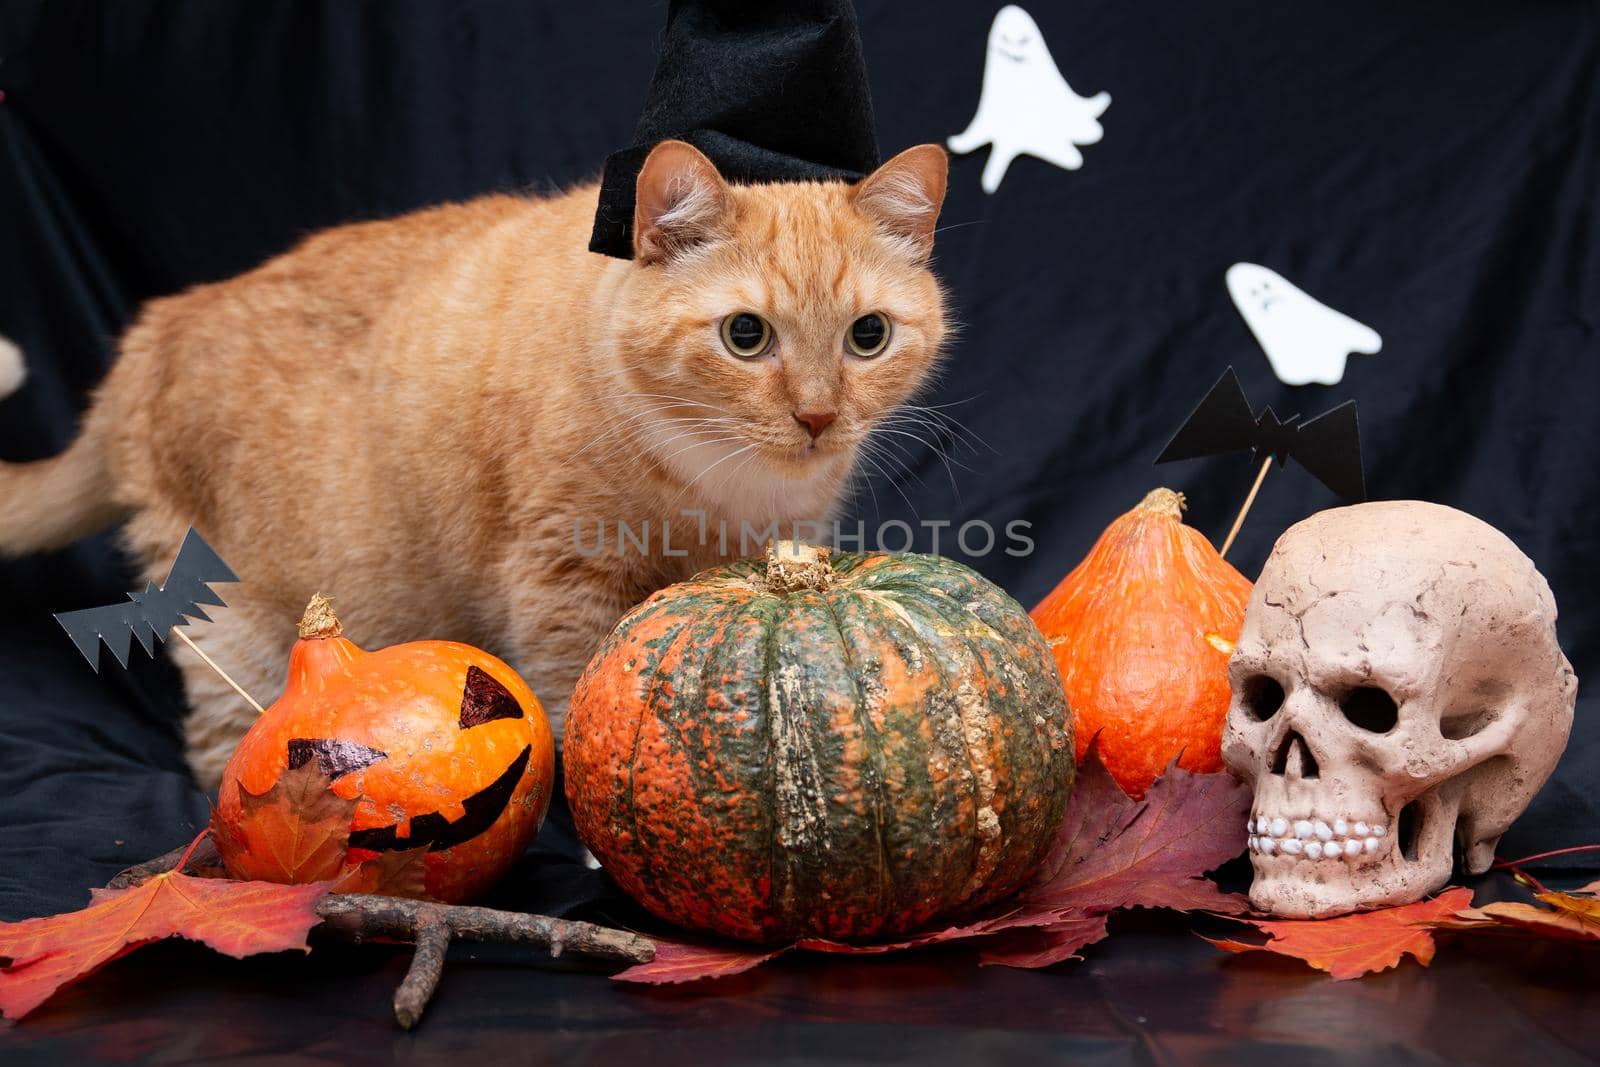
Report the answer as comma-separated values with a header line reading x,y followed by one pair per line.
x,y
13,371
1026,106
1305,340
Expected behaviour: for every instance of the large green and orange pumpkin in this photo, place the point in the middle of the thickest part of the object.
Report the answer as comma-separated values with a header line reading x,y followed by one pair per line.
x,y
441,748
842,746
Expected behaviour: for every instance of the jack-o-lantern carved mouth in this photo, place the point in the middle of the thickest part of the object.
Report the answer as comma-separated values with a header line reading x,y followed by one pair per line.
x,y
483,700
483,808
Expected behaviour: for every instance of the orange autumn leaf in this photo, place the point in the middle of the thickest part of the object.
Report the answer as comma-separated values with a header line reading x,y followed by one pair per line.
x,y
1572,916
39,956
1350,946
1581,905
297,831
388,874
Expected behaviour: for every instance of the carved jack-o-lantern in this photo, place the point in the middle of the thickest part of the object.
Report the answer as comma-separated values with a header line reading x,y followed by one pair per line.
x,y
441,746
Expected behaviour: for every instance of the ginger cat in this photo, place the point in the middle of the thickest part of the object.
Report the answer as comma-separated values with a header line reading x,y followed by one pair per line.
x,y
419,416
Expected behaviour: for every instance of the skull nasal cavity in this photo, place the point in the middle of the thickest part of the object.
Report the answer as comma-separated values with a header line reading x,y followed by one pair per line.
x,y
1370,709
1294,759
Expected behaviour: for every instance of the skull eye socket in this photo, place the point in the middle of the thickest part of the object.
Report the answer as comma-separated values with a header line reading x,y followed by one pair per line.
x,y
1370,708
1461,727
1261,696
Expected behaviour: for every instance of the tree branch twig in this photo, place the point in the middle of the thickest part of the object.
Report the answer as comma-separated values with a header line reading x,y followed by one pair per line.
x,y
430,927
427,964
141,873
365,917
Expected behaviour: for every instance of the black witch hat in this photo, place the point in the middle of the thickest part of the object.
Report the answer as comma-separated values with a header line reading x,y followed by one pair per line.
x,y
771,91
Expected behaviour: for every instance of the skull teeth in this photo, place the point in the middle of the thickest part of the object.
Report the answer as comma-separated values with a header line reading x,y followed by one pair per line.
x,y
1313,838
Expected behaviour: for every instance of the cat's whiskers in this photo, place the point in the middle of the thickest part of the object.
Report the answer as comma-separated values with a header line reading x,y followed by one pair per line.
x,y
949,425
857,479
944,425
640,423
622,426
734,473
697,442
676,399
900,455
890,426
679,442
934,447
707,470
655,404
866,453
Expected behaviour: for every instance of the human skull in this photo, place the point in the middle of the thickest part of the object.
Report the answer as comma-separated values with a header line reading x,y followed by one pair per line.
x,y
1397,687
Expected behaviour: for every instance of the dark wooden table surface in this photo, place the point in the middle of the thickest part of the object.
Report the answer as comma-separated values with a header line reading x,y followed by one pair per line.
x,y
1154,993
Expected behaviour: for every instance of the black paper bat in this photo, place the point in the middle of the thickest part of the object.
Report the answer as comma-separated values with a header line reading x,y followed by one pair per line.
x,y
1329,446
150,615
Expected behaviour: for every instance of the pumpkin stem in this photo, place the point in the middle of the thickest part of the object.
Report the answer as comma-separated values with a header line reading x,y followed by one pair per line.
x,y
319,619
794,565
1164,502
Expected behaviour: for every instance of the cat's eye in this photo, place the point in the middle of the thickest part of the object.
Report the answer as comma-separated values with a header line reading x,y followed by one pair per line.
x,y
745,335
868,335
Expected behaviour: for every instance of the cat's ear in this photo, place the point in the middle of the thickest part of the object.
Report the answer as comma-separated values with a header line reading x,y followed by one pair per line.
x,y
679,201
905,194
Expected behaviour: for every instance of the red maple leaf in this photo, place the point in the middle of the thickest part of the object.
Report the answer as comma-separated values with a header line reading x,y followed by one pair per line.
x,y
677,961
1046,945
1349,946
1116,852
1112,852
39,956
297,831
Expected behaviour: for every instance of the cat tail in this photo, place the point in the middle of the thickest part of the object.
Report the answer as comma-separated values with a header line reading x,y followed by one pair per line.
x,y
52,502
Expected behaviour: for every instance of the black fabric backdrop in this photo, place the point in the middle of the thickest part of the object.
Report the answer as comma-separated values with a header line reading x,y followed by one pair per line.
x,y
1428,168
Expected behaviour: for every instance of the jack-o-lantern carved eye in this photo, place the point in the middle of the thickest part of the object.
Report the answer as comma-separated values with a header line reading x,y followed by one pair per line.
x,y
335,758
484,700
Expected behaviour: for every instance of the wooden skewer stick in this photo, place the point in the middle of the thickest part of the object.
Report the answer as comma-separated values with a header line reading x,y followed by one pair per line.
x,y
1238,520
237,688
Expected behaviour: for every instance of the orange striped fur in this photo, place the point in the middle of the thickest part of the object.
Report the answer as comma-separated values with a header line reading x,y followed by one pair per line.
x,y
411,415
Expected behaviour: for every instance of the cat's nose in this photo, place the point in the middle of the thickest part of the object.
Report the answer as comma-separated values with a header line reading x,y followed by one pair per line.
x,y
815,421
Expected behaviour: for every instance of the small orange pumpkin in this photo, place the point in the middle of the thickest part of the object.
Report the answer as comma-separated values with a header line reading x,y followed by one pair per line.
x,y
1142,630
440,745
